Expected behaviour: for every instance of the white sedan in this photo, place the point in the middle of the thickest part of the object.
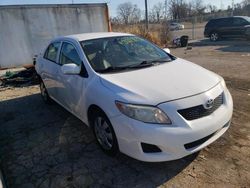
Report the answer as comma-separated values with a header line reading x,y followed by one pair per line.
x,y
137,98
176,26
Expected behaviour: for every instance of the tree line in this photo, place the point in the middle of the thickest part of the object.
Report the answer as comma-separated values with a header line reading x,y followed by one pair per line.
x,y
129,13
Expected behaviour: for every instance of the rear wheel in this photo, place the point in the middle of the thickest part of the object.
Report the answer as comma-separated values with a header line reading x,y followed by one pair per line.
x,y
214,36
44,93
104,133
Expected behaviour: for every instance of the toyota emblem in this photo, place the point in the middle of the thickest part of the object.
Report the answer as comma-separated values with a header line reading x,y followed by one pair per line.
x,y
209,104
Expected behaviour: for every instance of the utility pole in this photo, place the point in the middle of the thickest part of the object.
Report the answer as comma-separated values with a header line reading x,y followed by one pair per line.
x,y
146,14
165,12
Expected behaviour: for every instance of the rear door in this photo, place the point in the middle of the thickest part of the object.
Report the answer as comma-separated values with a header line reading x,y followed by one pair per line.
x,y
225,26
50,66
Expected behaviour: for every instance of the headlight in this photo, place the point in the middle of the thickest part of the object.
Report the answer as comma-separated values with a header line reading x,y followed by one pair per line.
x,y
147,114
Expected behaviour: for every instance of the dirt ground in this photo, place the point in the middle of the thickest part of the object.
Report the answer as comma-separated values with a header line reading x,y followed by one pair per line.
x,y
45,146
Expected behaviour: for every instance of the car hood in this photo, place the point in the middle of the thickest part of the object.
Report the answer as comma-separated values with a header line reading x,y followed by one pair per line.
x,y
160,83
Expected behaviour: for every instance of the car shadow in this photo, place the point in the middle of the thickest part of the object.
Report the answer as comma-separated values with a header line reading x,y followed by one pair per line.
x,y
224,45
45,146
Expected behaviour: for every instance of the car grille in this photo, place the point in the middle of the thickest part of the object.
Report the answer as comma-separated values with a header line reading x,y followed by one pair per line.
x,y
199,111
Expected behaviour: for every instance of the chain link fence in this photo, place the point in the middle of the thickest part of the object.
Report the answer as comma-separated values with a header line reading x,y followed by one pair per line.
x,y
194,26
166,31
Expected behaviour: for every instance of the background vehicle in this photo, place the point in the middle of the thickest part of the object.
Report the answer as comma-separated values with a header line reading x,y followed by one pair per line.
x,y
237,26
176,26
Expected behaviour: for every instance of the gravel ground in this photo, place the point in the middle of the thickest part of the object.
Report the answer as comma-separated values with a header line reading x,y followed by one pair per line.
x,y
45,146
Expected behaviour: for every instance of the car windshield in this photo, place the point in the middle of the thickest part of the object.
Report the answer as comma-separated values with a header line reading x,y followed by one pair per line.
x,y
122,53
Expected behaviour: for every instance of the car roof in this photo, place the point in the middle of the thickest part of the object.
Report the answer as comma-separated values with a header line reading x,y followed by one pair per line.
x,y
240,16
96,35
228,17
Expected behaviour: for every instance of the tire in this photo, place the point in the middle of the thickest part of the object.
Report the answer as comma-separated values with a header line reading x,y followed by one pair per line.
x,y
214,36
44,93
104,133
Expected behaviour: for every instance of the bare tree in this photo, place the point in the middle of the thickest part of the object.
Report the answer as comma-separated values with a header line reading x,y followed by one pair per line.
x,y
198,7
129,13
157,12
246,3
190,9
178,9
211,8
115,20
246,7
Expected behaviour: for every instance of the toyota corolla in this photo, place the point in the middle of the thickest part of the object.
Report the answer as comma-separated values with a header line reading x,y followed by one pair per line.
x,y
136,97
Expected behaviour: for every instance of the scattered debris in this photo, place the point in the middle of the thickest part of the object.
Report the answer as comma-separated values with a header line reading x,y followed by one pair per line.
x,y
181,41
202,157
21,78
192,174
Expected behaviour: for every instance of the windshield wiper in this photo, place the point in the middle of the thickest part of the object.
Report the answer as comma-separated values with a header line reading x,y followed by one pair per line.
x,y
149,63
111,69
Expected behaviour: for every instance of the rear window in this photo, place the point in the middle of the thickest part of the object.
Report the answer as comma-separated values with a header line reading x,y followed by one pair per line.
x,y
223,22
51,52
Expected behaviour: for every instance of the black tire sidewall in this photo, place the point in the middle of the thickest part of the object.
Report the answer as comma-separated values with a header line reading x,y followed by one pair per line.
x,y
115,149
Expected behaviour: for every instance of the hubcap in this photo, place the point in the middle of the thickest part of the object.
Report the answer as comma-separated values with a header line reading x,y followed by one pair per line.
x,y
103,133
214,36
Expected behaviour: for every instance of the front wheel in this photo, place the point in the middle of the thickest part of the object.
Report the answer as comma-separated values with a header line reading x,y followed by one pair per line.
x,y
214,36
104,133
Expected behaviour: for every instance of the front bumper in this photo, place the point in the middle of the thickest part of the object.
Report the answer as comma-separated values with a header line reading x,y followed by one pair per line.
x,y
171,139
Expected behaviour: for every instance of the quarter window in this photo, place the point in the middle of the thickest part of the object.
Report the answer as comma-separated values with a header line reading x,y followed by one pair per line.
x,y
239,21
69,55
51,52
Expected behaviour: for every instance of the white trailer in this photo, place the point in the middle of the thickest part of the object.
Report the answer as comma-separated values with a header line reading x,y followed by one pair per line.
x,y
26,29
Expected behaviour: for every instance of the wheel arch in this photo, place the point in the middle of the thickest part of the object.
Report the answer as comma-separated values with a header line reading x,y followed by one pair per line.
x,y
213,31
39,77
93,108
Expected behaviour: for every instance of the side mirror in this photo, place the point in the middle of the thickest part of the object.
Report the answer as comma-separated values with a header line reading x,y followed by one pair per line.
x,y
71,69
167,50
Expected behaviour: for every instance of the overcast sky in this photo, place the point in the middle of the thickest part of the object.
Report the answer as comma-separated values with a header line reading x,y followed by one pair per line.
x,y
113,3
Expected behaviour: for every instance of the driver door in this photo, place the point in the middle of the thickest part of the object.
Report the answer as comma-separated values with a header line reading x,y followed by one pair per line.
x,y
71,90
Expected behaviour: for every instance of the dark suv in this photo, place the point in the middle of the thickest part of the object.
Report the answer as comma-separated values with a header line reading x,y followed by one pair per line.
x,y
237,26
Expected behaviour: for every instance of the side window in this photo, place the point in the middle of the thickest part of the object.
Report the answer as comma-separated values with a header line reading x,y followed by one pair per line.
x,y
239,21
225,22
51,52
69,55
